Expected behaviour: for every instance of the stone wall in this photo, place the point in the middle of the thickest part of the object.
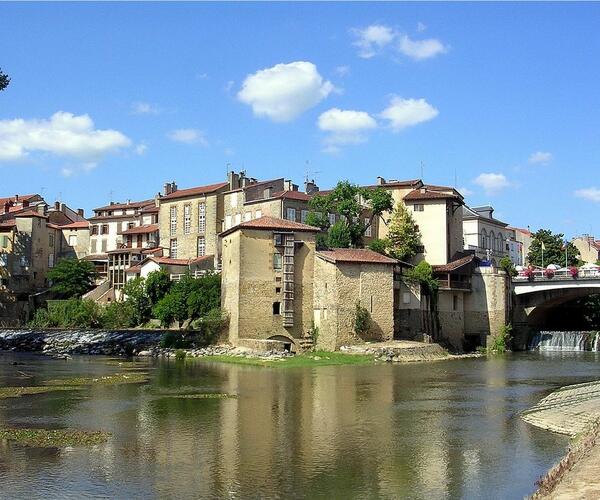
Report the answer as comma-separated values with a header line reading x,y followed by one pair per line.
x,y
339,287
486,307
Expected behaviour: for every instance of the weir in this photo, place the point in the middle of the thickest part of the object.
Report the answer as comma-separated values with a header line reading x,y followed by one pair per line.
x,y
564,341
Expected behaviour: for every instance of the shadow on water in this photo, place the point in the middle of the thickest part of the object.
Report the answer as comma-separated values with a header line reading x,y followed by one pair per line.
x,y
446,429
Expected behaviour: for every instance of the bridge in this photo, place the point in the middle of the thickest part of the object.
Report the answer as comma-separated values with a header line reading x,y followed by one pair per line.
x,y
534,297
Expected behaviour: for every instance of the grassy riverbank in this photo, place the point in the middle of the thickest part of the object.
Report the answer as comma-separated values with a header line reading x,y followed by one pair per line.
x,y
317,358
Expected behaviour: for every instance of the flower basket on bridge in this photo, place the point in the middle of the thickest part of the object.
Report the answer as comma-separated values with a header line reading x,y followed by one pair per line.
x,y
549,273
574,271
528,273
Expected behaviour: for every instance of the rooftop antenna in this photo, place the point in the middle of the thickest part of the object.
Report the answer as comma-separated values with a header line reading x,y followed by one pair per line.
x,y
422,168
227,170
110,195
308,172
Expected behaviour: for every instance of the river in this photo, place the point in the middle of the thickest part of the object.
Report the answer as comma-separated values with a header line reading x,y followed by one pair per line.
x,y
447,429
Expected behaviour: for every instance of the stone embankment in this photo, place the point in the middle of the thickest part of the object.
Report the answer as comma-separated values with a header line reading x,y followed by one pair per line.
x,y
573,410
399,351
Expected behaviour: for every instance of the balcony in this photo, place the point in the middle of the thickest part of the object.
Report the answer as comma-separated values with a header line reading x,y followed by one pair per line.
x,y
450,284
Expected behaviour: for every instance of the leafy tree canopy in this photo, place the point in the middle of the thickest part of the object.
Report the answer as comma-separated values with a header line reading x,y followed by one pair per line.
x,y
72,277
348,201
403,235
158,284
554,250
422,273
4,80
135,293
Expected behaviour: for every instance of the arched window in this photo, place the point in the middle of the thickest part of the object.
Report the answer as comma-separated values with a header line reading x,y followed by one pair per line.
x,y
483,238
492,244
500,242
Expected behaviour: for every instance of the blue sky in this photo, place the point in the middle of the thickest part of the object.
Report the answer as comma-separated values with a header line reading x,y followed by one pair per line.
x,y
123,97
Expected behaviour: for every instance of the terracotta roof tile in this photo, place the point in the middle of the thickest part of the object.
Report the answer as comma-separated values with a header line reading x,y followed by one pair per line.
x,y
292,195
145,229
131,204
182,193
7,225
76,225
430,194
358,255
455,264
273,224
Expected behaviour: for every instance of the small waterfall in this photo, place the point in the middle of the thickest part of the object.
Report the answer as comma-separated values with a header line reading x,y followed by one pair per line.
x,y
596,344
564,341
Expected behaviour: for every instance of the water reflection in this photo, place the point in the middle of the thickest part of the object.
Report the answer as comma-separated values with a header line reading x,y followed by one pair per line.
x,y
443,430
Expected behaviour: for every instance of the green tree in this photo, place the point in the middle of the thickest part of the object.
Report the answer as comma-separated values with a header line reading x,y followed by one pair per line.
x,y
348,201
158,284
205,296
403,235
507,266
170,308
72,277
554,250
4,80
339,235
380,246
135,294
423,273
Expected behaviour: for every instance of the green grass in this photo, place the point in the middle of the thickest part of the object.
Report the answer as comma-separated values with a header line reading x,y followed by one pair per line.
x,y
17,392
54,438
113,379
317,358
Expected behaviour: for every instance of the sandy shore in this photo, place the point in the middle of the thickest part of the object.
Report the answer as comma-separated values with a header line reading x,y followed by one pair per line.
x,y
573,410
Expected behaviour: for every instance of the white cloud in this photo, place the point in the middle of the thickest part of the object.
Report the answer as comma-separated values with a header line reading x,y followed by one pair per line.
x,y
421,49
141,148
540,158
67,172
403,113
144,108
284,91
64,134
344,127
188,136
372,39
491,182
590,194
202,76
421,27
342,71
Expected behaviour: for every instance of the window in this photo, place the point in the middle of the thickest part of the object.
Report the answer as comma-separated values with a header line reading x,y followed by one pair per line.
x,y
303,216
291,214
247,216
104,229
277,261
276,308
130,225
331,219
201,217
173,212
277,289
277,239
368,231
173,248
483,238
72,240
406,298
94,229
201,246
227,221
50,240
51,260
234,200
418,207
187,219
238,219
258,214
455,302
94,245
103,247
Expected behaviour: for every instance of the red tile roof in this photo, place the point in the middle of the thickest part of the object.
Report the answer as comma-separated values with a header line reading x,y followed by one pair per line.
x,y
182,193
455,264
22,197
273,224
31,213
145,229
431,194
149,209
7,225
358,255
179,262
76,225
526,232
292,195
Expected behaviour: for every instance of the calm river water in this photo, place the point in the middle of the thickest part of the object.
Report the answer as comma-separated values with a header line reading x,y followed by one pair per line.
x,y
440,430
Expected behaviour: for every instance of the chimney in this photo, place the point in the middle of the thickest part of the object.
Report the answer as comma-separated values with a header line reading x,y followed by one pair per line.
x,y
173,187
380,181
80,212
234,180
310,187
25,203
57,205
288,185
129,202
6,207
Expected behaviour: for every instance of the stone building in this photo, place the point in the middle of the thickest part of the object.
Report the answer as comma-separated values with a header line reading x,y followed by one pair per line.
x,y
267,280
71,237
488,237
343,278
175,267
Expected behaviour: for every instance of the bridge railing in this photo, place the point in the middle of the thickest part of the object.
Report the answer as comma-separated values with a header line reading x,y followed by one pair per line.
x,y
559,274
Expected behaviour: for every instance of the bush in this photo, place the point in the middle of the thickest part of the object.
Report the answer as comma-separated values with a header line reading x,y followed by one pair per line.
x,y
379,246
209,326
135,293
119,315
170,308
549,273
72,313
501,340
362,320
174,340
72,277
339,235
158,284
423,273
507,266
180,354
